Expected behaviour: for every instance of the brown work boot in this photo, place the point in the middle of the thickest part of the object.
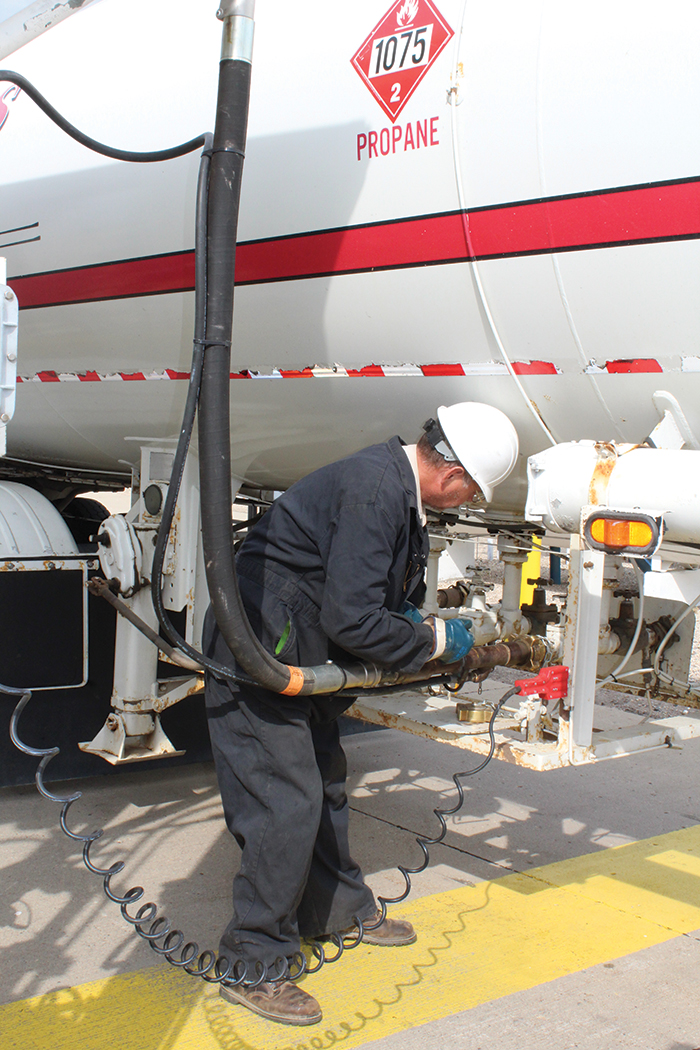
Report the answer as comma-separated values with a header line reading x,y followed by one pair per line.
x,y
392,933
281,1001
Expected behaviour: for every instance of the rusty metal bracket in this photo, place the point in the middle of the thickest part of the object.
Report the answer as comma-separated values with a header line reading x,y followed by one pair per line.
x,y
101,589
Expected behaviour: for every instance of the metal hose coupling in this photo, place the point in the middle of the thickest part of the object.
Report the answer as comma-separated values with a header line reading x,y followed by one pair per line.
x,y
239,29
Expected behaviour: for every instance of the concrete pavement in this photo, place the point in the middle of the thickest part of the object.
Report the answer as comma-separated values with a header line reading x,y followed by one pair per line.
x,y
532,932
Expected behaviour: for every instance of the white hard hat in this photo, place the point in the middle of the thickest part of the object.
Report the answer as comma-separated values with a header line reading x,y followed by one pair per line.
x,y
484,441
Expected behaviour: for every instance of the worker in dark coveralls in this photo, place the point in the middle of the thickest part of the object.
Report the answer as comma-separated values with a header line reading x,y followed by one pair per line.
x,y
325,575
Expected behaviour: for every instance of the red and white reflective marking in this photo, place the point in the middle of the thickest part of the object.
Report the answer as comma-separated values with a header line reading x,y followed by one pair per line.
x,y
48,376
448,369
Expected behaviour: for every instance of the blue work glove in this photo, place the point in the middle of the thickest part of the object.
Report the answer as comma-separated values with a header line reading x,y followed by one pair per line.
x,y
411,613
453,639
458,640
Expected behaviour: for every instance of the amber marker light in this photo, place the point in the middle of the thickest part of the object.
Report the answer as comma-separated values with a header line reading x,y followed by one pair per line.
x,y
614,533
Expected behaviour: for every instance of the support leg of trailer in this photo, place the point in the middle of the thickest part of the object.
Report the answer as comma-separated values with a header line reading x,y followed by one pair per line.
x,y
581,637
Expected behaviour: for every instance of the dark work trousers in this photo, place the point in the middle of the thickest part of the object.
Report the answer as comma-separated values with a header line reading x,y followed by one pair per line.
x,y
281,772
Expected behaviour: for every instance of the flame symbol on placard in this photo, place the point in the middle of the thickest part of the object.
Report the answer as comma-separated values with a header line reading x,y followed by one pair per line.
x,y
406,13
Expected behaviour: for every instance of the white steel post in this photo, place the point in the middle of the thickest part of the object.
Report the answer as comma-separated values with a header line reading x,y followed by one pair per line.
x,y
513,556
581,637
136,666
430,604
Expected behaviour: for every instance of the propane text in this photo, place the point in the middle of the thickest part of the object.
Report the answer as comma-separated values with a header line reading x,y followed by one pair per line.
x,y
399,138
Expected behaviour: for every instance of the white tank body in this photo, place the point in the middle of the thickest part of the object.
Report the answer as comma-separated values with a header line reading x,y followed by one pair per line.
x,y
533,207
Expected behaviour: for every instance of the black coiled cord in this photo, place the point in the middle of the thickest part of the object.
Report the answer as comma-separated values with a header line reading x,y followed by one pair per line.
x,y
187,956
424,842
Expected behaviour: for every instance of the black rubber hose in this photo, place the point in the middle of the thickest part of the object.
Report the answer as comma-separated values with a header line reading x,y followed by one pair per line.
x,y
225,175
200,250
85,140
213,302
190,402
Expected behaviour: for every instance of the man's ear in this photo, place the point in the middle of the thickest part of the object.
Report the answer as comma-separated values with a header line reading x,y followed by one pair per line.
x,y
454,472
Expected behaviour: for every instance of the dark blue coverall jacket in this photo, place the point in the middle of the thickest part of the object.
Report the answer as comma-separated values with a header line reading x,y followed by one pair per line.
x,y
322,575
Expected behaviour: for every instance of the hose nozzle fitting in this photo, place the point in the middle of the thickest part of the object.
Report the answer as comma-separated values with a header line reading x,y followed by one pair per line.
x,y
237,42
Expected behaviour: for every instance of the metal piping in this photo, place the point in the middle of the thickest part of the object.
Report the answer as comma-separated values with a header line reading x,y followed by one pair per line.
x,y
531,406
239,28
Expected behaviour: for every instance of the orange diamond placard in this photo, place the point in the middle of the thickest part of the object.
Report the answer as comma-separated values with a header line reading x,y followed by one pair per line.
x,y
399,52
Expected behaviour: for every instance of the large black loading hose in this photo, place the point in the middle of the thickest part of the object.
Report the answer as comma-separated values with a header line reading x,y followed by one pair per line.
x,y
226,168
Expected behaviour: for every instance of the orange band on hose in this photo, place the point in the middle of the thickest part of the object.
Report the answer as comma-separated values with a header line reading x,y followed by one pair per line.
x,y
296,682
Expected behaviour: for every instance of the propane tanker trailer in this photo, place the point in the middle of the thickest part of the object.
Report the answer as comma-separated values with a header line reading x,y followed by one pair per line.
x,y
441,201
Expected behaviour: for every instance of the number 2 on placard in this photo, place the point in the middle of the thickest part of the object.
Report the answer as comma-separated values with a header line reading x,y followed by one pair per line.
x,y
395,93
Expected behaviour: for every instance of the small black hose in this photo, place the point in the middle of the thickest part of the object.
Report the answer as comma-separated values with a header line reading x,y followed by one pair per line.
x,y
85,140
198,351
424,842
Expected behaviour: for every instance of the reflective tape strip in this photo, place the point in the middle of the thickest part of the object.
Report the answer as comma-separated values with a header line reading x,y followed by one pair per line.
x,y
296,682
494,368
454,368
636,364
440,630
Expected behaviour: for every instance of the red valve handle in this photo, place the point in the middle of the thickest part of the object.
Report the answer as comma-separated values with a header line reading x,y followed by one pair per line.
x,y
552,683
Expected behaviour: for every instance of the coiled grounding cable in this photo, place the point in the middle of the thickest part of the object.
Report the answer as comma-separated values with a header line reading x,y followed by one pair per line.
x,y
169,942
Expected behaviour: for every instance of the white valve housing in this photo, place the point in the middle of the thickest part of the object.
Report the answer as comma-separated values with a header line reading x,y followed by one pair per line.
x,y
565,479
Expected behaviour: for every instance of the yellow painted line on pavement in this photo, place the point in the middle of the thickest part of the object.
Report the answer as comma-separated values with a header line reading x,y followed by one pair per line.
x,y
475,944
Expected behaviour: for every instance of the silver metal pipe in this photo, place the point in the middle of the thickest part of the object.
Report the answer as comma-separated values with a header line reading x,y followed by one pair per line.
x,y
239,29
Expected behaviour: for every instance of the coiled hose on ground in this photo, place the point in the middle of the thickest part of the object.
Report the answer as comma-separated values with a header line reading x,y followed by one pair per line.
x,y
169,942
